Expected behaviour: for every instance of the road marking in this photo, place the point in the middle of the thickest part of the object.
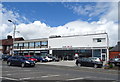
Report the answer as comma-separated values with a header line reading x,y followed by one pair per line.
x,y
75,79
50,76
25,78
9,78
9,74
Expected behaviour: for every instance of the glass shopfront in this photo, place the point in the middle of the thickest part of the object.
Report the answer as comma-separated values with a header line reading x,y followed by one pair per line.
x,y
97,53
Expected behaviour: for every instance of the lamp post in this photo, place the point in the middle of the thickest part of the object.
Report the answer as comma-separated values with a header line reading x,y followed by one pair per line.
x,y
13,33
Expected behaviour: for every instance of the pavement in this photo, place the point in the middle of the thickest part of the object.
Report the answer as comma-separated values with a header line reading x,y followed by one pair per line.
x,y
60,63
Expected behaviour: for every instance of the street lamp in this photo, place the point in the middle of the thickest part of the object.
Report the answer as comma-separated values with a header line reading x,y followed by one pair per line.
x,y
13,33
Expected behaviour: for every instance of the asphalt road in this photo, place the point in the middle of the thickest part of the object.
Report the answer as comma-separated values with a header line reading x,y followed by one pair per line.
x,y
53,73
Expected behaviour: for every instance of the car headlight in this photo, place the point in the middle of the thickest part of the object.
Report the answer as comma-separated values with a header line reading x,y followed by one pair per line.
x,y
27,62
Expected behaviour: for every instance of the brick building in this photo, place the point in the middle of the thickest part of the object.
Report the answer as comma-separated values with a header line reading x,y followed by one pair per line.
x,y
115,51
6,45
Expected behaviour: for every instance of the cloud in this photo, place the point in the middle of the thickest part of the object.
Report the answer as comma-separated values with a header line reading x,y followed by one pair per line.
x,y
38,29
89,10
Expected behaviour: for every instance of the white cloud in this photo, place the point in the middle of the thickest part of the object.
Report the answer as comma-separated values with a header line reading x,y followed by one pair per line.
x,y
37,29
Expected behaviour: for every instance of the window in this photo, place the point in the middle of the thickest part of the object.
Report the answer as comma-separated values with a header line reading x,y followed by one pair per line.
x,y
16,45
44,43
26,45
97,53
37,44
104,50
20,44
31,44
99,39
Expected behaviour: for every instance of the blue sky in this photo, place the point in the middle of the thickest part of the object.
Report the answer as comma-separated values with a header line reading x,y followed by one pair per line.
x,y
52,13
37,19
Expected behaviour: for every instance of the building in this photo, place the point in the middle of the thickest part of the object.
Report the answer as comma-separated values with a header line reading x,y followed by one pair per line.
x,y
32,47
65,47
115,51
6,46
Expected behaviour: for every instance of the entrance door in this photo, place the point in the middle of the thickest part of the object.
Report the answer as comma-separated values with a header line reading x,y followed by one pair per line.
x,y
103,56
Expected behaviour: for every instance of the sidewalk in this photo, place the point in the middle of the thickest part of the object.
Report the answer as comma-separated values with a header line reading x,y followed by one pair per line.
x,y
60,63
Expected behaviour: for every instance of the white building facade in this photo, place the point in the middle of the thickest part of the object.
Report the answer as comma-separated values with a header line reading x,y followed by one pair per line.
x,y
65,47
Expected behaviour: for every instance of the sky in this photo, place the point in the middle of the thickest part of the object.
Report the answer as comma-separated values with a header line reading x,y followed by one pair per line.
x,y
35,20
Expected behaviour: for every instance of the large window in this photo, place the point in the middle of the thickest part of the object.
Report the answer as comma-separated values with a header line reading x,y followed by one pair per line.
x,y
16,45
20,45
37,44
97,53
85,52
44,43
31,44
26,45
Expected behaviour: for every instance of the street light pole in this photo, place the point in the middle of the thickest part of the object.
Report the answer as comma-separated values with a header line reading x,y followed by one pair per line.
x,y
13,34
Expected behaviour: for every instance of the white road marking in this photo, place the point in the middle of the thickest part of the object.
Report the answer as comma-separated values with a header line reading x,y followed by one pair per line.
x,y
25,78
8,78
50,76
75,79
9,74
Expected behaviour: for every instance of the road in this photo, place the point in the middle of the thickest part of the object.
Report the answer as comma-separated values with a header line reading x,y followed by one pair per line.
x,y
53,73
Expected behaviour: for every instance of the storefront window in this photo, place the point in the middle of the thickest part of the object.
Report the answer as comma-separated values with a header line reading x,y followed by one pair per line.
x,y
85,53
97,53
44,43
37,44
31,44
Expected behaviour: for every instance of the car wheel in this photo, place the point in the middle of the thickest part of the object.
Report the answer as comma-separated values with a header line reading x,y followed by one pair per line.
x,y
9,63
22,65
95,66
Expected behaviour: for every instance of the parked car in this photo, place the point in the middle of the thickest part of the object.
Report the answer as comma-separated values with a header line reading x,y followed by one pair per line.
x,y
88,62
96,59
40,59
30,57
20,61
5,57
48,58
54,58
114,62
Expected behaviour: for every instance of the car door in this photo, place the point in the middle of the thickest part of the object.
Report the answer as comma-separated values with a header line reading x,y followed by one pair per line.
x,y
13,60
84,61
90,62
18,60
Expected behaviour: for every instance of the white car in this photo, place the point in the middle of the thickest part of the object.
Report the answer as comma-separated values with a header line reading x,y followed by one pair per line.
x,y
49,59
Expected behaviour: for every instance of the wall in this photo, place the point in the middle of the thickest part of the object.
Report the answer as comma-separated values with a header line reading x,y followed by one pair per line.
x,y
78,41
114,54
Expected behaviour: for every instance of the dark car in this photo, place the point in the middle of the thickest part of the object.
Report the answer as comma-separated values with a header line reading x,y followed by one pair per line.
x,y
5,57
114,62
40,59
20,61
88,62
